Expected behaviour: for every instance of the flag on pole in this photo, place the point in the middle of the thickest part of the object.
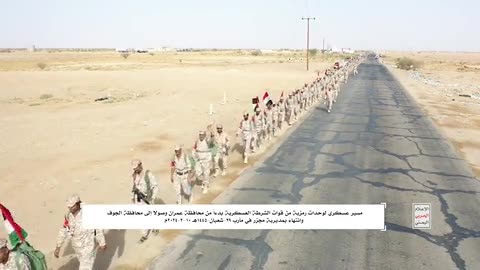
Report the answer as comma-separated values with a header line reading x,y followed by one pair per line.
x,y
16,234
266,99
255,103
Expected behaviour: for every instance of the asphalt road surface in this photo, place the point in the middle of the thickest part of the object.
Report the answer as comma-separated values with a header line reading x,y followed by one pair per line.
x,y
376,146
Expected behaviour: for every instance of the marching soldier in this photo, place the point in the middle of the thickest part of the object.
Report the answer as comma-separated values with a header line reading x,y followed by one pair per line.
x,y
289,109
202,152
281,108
223,146
83,240
258,122
247,131
181,170
269,121
144,190
330,99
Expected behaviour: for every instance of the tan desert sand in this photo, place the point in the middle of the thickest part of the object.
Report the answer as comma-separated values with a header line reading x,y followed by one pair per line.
x,y
56,140
444,77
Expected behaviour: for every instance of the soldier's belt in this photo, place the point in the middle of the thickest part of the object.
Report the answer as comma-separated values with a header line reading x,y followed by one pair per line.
x,y
181,173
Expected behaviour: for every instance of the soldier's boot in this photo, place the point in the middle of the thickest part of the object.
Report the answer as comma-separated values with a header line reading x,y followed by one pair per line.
x,y
245,160
224,171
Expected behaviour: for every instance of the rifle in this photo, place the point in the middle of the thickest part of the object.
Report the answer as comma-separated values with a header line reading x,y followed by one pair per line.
x,y
140,195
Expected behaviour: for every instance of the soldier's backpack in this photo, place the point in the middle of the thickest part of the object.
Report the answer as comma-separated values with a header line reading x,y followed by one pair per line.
x,y
149,186
35,257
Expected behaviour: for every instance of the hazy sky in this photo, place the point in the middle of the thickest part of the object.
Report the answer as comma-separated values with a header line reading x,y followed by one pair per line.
x,y
367,24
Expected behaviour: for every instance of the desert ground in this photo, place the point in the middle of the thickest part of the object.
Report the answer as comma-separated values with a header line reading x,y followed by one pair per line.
x,y
57,140
437,86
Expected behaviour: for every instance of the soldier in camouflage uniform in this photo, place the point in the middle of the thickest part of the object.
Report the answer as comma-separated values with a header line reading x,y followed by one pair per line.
x,y
247,131
289,109
222,142
269,121
12,260
281,107
202,152
258,121
144,190
83,240
181,168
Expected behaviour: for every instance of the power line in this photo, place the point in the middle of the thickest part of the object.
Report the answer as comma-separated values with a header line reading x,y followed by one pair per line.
x,y
308,35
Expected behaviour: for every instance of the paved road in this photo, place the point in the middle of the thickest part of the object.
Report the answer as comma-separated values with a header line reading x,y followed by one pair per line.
x,y
376,146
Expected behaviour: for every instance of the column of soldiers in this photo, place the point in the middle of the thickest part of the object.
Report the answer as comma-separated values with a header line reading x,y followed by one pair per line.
x,y
209,154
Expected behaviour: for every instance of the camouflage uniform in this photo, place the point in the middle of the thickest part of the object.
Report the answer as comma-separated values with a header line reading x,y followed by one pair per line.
x,y
202,151
16,261
83,240
281,107
247,132
181,167
269,122
258,122
140,182
294,107
330,98
223,145
289,109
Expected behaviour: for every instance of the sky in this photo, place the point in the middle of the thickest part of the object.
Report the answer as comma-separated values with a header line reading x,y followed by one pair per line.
x,y
433,25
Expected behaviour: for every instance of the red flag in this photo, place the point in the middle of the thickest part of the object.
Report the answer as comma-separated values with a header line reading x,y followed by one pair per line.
x,y
8,217
266,98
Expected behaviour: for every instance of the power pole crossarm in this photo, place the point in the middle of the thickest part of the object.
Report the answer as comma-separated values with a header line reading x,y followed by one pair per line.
x,y
308,35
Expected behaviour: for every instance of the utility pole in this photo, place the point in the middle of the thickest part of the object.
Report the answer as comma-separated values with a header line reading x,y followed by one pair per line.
x,y
308,35
323,49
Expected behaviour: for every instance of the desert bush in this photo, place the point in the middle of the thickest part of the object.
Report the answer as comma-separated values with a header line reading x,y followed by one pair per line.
x,y
42,66
125,55
152,54
256,53
408,63
313,52
46,96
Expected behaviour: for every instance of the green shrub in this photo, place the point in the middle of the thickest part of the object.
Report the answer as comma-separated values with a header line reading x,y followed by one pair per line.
x,y
408,63
256,53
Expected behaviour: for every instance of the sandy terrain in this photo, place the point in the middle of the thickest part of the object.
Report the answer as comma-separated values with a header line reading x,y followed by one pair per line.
x,y
445,76
56,140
